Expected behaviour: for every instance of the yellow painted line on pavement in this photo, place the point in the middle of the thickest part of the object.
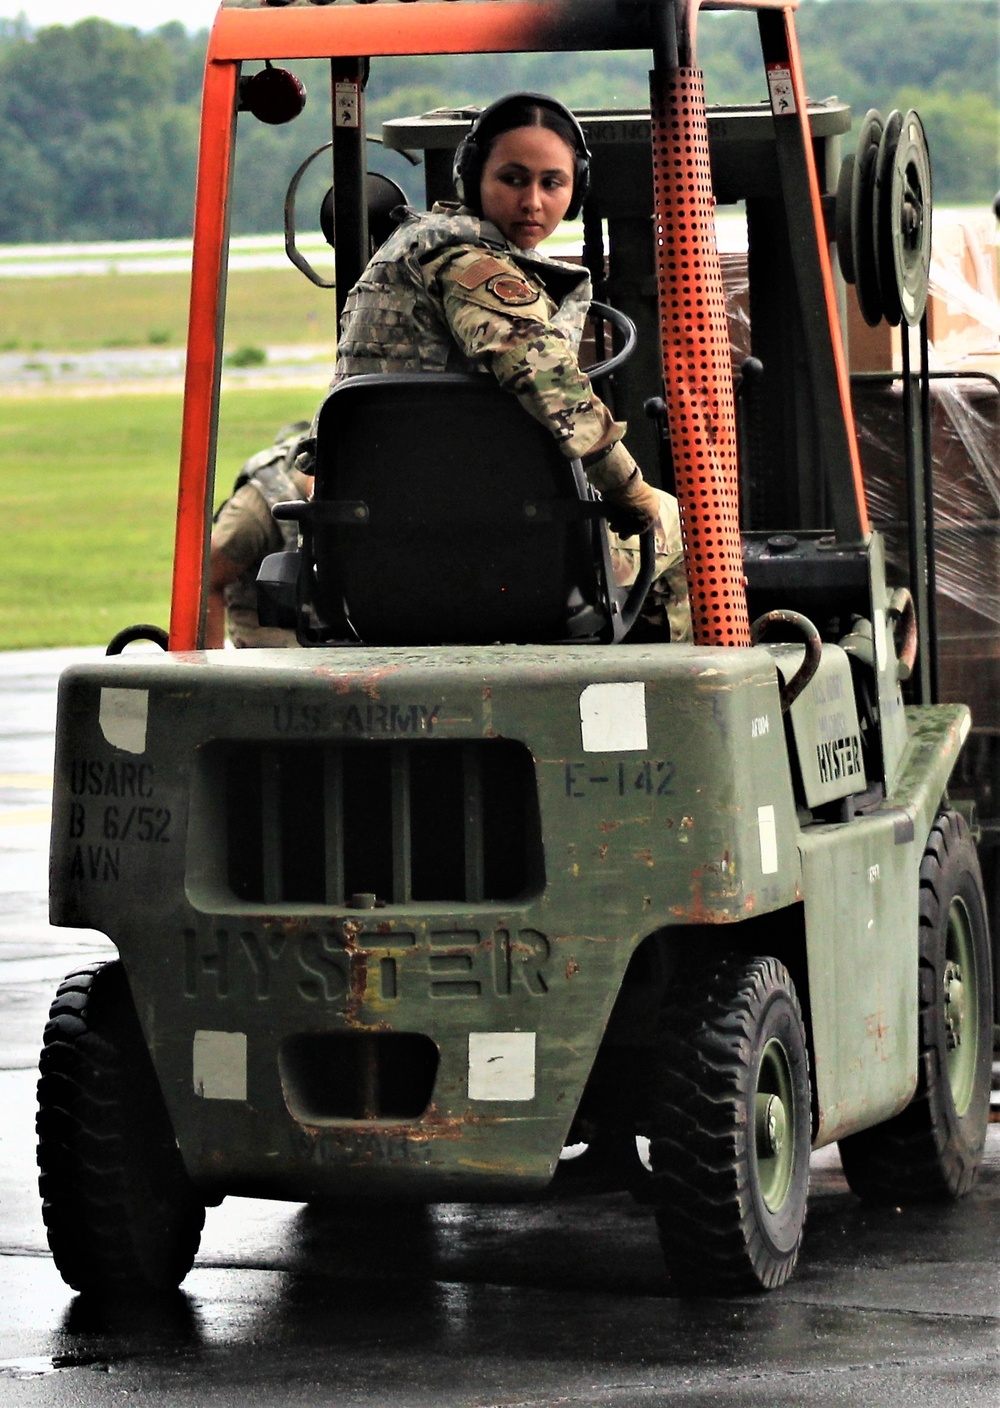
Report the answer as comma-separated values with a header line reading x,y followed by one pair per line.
x,y
26,782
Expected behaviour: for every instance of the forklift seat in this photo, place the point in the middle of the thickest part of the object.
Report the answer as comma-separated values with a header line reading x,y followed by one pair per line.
x,y
443,513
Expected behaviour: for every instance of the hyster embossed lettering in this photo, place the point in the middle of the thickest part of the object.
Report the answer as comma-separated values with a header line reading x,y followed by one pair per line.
x,y
841,757
325,967
522,960
224,961
460,965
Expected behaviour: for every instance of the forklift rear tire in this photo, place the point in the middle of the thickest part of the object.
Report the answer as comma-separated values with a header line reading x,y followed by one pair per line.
x,y
121,1214
931,1151
730,1128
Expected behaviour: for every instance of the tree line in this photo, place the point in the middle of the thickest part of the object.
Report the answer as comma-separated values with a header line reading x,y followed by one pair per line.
x,y
99,122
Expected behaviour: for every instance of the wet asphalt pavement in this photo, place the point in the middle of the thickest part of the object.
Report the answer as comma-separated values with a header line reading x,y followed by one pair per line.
x,y
555,1303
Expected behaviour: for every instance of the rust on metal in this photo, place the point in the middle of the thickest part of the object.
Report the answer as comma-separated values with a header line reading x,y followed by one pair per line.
x,y
431,1125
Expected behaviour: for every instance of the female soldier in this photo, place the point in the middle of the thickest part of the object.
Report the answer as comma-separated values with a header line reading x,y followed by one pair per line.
x,y
462,288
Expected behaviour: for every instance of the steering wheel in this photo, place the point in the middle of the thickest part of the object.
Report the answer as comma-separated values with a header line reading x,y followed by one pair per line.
x,y
626,327
635,595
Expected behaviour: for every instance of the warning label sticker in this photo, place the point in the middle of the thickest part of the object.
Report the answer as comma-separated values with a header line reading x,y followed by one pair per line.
x,y
347,105
779,85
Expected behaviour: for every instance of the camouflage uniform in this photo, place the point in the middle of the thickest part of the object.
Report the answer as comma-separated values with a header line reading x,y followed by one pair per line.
x,y
246,532
667,608
446,292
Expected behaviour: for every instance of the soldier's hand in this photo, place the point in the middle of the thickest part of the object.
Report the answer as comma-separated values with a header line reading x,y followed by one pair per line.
x,y
632,507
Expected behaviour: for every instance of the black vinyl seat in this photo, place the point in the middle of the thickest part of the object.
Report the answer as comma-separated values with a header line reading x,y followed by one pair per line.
x,y
443,513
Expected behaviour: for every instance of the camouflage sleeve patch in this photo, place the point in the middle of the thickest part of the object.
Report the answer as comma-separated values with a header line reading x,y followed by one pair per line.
x,y
516,299
469,274
476,274
512,290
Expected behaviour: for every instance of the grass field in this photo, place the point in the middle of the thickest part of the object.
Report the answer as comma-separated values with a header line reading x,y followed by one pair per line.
x,y
265,307
88,490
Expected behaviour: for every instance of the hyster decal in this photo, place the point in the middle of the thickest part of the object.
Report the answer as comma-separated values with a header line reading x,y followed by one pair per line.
x,y
840,757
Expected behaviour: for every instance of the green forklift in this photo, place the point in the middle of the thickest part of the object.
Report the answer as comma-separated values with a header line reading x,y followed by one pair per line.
x,y
483,892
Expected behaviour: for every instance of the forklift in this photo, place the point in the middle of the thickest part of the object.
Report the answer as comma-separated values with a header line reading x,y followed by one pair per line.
x,y
479,876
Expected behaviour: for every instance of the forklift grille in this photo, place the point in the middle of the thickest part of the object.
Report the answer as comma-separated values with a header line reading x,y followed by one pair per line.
x,y
368,824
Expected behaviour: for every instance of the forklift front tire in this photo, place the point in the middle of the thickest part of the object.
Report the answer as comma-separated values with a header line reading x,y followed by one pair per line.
x,y
932,1149
730,1129
121,1214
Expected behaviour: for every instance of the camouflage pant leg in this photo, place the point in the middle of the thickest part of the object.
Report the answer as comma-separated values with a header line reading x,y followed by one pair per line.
x,y
667,604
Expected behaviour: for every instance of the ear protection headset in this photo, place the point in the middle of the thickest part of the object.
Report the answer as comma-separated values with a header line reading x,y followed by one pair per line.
x,y
470,156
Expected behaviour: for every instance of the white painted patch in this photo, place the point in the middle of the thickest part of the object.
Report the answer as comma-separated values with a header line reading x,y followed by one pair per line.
x,y
760,726
768,831
220,1065
122,716
881,641
613,718
501,1065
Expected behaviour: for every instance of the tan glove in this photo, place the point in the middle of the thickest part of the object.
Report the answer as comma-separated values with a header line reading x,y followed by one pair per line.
x,y
633,506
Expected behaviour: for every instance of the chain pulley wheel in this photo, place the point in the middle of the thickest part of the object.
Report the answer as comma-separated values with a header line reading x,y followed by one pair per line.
x,y
842,216
883,231
910,219
862,255
883,219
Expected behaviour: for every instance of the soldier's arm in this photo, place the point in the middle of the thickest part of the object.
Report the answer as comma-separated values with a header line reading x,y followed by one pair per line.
x,y
243,534
222,571
501,318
